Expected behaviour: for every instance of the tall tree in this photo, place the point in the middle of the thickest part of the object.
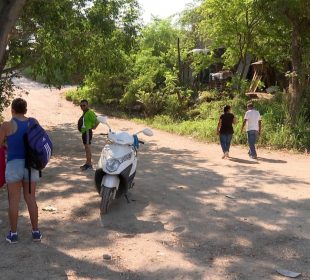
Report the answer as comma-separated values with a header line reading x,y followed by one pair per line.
x,y
293,18
9,13
232,24
66,40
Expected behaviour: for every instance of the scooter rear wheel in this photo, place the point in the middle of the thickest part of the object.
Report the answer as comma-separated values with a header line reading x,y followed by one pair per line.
x,y
106,198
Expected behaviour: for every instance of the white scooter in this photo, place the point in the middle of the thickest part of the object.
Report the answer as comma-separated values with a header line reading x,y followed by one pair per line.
x,y
117,165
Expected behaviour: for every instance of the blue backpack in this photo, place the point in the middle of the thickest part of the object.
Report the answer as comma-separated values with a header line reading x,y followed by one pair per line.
x,y
38,147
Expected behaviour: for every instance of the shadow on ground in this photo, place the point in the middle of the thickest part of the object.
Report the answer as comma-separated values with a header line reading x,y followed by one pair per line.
x,y
244,236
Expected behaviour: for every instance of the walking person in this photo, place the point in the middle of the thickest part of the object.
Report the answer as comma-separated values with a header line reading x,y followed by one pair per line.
x,y
16,175
252,120
86,124
225,130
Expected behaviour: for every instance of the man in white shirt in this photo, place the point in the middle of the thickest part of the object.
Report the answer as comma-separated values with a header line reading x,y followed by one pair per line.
x,y
253,121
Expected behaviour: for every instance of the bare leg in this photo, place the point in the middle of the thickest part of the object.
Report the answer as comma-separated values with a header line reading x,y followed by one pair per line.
x,y
30,199
14,190
88,153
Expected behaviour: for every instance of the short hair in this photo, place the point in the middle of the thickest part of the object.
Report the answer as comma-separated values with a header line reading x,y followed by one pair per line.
x,y
19,105
226,108
250,105
84,101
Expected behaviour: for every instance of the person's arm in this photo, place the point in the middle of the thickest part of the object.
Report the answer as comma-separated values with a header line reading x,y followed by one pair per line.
x,y
96,124
3,132
243,124
234,120
219,126
244,121
94,120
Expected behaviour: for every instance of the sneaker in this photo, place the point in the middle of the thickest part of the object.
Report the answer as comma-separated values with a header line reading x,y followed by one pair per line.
x,y
36,236
12,238
86,167
83,166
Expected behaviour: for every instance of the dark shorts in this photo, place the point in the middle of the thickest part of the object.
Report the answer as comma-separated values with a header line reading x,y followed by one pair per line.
x,y
87,137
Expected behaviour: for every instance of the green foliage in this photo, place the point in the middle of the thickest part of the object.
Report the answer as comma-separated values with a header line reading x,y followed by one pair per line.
x,y
238,86
208,96
79,94
101,46
6,91
49,40
159,36
230,23
275,133
153,102
173,106
64,41
155,81
201,61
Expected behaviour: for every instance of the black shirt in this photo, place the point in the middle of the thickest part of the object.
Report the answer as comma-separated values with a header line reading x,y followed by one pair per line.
x,y
227,123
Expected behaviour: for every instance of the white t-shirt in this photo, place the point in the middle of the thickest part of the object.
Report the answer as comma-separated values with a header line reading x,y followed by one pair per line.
x,y
252,117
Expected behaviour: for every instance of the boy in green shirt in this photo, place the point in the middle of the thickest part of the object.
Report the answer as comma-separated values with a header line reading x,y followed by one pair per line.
x,y
87,122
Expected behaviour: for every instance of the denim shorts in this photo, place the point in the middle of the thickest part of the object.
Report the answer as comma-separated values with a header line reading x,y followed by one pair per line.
x,y
15,171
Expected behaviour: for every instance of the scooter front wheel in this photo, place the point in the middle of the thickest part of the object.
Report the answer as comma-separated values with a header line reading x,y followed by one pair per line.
x,y
106,198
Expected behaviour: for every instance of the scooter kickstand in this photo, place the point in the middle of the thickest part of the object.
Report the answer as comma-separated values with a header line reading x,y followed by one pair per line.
x,y
126,196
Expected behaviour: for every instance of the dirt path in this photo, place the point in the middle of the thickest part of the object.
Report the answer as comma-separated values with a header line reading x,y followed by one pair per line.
x,y
192,214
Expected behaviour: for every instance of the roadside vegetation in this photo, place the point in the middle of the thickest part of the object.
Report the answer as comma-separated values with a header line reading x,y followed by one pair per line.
x,y
161,73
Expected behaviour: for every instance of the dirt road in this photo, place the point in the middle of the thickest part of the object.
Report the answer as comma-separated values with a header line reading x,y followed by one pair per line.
x,y
192,215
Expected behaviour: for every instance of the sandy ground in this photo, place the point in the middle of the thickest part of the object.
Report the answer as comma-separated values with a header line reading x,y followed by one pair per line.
x,y
192,215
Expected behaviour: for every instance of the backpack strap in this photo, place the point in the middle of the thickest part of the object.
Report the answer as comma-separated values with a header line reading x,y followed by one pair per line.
x,y
31,121
29,175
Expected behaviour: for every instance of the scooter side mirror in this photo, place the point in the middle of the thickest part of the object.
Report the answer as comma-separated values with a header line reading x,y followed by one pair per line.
x,y
102,119
147,132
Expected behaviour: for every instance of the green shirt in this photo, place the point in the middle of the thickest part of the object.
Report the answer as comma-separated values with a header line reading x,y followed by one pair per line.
x,y
89,120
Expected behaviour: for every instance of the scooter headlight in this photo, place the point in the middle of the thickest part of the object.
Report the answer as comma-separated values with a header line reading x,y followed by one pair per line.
x,y
112,164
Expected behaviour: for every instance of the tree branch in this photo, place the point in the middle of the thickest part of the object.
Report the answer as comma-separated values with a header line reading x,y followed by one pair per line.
x,y
9,14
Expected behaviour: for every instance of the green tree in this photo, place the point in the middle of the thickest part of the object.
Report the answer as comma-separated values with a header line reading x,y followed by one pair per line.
x,y
288,42
112,28
65,40
9,13
155,71
233,24
40,34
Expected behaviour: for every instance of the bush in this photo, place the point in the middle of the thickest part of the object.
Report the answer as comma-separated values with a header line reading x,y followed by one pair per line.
x,y
153,102
276,132
174,107
128,100
194,113
81,93
208,96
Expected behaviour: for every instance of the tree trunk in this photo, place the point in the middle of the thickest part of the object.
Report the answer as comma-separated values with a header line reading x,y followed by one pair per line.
x,y
295,81
9,13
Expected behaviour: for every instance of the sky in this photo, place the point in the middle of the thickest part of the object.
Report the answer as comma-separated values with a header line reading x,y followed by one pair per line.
x,y
161,8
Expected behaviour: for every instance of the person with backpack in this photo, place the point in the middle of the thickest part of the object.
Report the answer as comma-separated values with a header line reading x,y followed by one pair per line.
x,y
87,122
16,175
